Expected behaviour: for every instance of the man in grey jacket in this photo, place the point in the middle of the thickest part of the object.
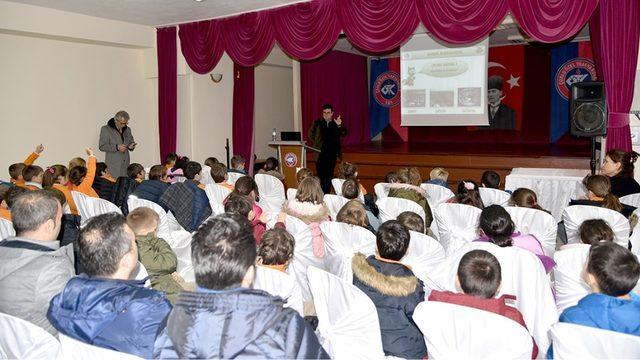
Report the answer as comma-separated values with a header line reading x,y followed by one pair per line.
x,y
117,141
33,266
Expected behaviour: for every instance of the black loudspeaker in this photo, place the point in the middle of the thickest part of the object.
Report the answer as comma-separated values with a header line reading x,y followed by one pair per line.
x,y
588,109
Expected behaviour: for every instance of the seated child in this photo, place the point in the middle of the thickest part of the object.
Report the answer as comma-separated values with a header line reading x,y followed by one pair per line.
x,y
271,168
220,176
210,161
409,188
153,188
438,176
243,205
237,164
302,174
349,170
81,178
56,177
170,161
527,198
352,190
479,277
176,172
32,175
188,203
8,199
394,290
391,178
354,213
276,249
412,221
468,194
490,179
136,172
154,253
103,183
77,161
309,206
247,186
15,170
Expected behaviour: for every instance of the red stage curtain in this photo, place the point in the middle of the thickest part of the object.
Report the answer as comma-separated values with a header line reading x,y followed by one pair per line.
x,y
308,30
248,38
243,112
461,21
201,44
340,79
167,89
619,32
378,26
552,21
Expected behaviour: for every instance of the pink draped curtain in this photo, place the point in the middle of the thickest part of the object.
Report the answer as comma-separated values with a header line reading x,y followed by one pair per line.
x,y
167,89
461,21
243,112
248,38
201,45
552,20
617,28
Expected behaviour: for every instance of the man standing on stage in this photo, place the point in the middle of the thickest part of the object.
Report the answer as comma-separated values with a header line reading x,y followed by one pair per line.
x,y
501,116
325,135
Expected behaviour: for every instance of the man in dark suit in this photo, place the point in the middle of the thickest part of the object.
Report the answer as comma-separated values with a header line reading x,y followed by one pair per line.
x,y
325,135
501,116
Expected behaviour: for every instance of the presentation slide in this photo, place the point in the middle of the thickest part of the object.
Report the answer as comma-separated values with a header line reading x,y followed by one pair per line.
x,y
443,86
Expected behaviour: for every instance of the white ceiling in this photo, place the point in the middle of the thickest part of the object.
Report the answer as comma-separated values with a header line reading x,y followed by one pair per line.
x,y
158,12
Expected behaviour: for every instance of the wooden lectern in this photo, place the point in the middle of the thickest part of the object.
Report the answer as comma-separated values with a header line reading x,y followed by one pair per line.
x,y
292,156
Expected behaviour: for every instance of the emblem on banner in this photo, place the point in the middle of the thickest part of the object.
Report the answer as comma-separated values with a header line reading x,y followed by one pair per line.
x,y
290,159
386,89
571,72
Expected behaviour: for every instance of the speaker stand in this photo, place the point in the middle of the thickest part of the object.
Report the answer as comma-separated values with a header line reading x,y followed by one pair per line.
x,y
593,155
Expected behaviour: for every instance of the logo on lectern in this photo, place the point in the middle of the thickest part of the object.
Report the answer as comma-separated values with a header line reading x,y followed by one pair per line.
x,y
290,159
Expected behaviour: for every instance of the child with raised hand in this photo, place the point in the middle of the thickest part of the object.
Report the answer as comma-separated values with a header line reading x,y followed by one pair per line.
x,y
154,253
56,177
15,170
81,178
32,175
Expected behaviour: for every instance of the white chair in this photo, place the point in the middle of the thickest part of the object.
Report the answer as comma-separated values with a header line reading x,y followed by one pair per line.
x,y
538,223
457,225
303,256
146,172
494,196
20,339
278,283
337,185
291,193
140,273
437,194
574,216
271,192
73,349
571,341
89,207
347,319
206,175
334,204
216,194
381,190
631,199
341,242
233,177
569,286
391,207
522,275
424,253
461,332
6,229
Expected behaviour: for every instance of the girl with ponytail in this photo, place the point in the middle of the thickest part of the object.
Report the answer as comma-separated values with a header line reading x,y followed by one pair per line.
x,y
57,177
618,167
497,227
599,194
523,197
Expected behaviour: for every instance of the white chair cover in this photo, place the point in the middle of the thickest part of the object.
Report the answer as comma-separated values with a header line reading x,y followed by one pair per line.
x,y
89,207
381,190
347,319
631,199
277,283
303,256
391,207
341,242
424,253
233,177
538,223
494,196
334,203
206,175
457,225
571,341
569,286
291,193
6,229
140,273
573,217
146,172
634,239
337,185
20,339
461,332
271,192
522,275
216,194
73,349
437,194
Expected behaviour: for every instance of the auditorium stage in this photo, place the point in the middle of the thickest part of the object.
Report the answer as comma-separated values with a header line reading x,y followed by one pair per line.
x,y
463,161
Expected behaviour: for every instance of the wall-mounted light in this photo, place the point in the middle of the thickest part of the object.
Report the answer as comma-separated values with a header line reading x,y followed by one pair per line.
x,y
216,78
